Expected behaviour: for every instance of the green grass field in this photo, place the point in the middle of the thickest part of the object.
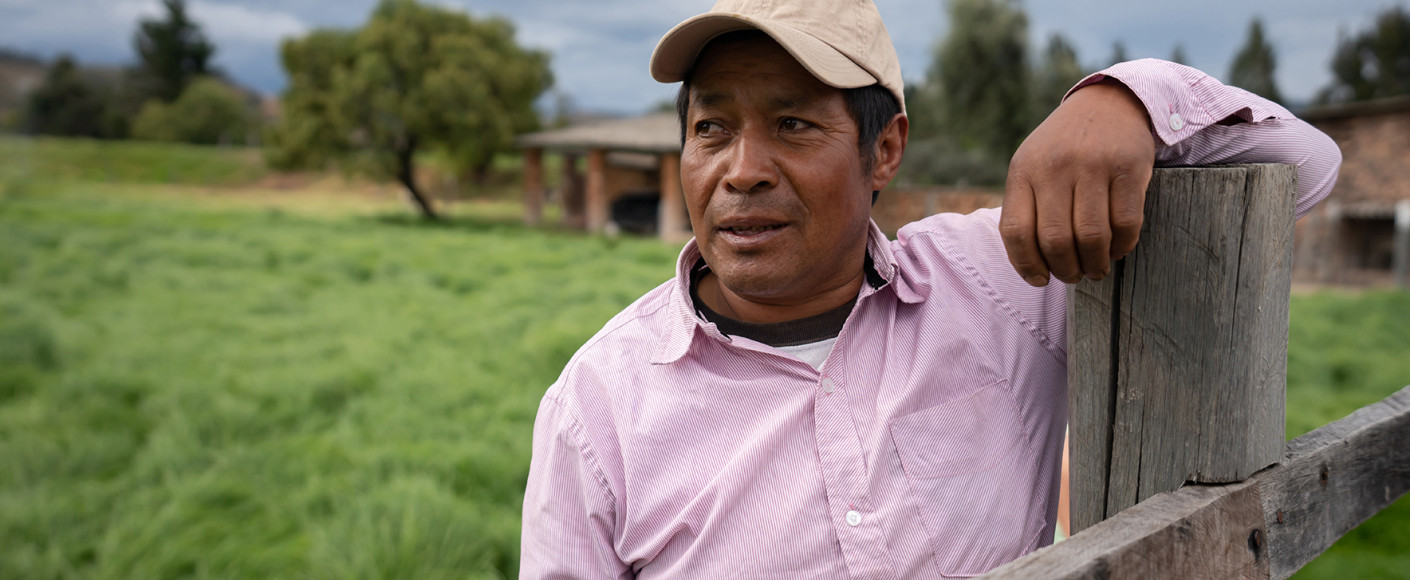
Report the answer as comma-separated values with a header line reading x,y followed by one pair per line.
x,y
194,387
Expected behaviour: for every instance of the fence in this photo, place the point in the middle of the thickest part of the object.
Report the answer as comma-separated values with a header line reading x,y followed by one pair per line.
x,y
1177,369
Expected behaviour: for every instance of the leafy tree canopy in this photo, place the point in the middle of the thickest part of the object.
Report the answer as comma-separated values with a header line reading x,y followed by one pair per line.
x,y
172,52
415,77
208,112
981,71
1374,63
1118,53
65,103
1178,56
981,97
1255,64
1058,73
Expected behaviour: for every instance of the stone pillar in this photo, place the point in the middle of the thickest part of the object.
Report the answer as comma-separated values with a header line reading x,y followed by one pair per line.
x,y
1402,243
671,224
598,210
533,186
572,193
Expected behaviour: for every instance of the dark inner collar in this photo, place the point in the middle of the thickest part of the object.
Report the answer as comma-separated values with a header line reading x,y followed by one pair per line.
x,y
791,333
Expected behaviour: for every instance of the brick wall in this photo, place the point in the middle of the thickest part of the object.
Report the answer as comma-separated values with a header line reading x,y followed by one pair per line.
x,y
900,206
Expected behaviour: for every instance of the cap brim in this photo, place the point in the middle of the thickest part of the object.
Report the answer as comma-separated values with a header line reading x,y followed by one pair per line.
x,y
677,51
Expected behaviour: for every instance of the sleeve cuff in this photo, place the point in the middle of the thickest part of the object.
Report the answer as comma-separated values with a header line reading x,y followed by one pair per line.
x,y
1180,100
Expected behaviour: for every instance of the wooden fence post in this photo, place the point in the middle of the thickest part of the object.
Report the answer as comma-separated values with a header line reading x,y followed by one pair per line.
x,y
1177,361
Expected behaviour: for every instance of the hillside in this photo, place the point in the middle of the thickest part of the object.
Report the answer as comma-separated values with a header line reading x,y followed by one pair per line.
x,y
19,74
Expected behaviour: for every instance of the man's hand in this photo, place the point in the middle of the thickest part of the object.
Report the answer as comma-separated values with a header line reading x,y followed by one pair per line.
x,y
1076,187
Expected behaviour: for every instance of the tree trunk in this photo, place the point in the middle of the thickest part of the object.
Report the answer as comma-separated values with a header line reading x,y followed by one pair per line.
x,y
482,171
477,174
407,176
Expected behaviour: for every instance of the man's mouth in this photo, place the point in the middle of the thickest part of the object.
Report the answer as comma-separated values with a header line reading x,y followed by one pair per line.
x,y
751,230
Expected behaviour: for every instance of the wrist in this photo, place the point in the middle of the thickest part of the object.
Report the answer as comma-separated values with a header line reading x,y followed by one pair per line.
x,y
1116,102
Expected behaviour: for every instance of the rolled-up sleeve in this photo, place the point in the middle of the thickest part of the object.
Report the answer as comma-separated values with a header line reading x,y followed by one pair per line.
x,y
1200,121
569,509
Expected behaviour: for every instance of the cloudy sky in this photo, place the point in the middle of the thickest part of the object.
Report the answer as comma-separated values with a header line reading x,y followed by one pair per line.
x,y
600,47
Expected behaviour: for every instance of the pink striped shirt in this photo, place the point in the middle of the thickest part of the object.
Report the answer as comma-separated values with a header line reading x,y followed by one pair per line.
x,y
929,443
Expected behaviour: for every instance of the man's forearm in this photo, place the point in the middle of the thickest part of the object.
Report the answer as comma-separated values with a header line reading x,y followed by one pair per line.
x,y
1197,120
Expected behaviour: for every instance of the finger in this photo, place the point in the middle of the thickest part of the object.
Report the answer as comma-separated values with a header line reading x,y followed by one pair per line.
x,y
1053,204
1091,226
1016,227
1128,204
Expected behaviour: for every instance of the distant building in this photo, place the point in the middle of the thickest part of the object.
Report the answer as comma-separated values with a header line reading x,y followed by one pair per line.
x,y
632,181
1360,235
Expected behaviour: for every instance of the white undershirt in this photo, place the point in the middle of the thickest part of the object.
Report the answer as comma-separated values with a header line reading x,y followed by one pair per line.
x,y
813,353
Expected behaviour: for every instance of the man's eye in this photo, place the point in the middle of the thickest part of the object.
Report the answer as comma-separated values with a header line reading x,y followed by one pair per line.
x,y
793,124
705,127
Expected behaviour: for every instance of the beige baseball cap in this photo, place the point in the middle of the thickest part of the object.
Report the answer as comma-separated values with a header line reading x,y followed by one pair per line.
x,y
843,43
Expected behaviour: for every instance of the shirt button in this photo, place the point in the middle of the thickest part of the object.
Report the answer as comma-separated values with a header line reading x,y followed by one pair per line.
x,y
853,518
827,386
1176,122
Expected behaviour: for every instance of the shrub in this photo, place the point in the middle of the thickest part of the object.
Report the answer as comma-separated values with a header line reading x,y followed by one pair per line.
x,y
208,112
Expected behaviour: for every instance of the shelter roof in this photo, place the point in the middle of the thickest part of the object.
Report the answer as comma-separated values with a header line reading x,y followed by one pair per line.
x,y
653,133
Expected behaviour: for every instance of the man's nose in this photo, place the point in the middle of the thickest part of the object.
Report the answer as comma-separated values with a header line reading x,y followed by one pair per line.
x,y
752,165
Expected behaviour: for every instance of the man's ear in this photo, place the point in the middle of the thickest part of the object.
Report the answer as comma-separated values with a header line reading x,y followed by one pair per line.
x,y
890,145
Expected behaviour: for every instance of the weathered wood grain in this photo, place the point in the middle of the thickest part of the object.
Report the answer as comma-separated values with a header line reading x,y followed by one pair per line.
x,y
1177,362
1334,478
1197,532
1268,526
1091,401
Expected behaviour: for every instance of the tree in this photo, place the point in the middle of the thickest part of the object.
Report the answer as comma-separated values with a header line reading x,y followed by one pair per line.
x,y
172,52
1255,64
981,71
65,103
208,112
1118,53
1060,71
414,78
1373,64
1178,56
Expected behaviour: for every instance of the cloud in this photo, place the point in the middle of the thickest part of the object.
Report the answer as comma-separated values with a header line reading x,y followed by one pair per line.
x,y
600,48
235,24
101,31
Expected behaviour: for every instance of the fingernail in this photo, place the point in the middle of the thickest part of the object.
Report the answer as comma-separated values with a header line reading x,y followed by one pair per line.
x,y
1036,280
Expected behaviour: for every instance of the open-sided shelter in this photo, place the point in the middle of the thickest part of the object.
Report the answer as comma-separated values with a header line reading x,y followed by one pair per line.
x,y
633,169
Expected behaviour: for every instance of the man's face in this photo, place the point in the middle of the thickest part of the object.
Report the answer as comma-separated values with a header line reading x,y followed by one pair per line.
x,y
773,180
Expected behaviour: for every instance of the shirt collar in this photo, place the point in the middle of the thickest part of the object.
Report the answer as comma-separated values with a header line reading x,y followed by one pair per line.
x,y
682,324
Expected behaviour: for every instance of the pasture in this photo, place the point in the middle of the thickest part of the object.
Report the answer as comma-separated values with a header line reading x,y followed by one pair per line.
x,y
206,376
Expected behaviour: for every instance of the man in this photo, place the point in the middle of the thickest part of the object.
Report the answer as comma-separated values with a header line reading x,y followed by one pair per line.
x,y
806,399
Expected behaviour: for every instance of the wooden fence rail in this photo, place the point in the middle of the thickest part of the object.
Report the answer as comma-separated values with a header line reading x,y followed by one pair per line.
x,y
1176,379
1269,526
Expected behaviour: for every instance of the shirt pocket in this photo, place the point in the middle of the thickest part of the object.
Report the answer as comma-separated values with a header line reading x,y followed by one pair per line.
x,y
972,480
